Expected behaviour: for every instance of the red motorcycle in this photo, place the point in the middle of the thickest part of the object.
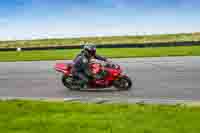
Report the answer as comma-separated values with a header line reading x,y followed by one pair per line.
x,y
105,74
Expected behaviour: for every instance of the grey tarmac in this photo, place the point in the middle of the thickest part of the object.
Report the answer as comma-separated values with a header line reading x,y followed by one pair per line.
x,y
154,80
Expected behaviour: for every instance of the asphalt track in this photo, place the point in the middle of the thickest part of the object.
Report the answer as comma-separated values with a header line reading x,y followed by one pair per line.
x,y
153,78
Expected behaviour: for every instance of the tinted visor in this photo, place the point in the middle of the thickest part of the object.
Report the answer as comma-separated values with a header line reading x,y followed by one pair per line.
x,y
93,52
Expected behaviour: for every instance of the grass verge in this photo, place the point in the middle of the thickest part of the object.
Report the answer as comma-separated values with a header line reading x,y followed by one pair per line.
x,y
112,53
102,40
52,117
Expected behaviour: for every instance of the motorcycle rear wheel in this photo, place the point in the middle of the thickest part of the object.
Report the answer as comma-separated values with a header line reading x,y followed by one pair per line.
x,y
123,83
70,83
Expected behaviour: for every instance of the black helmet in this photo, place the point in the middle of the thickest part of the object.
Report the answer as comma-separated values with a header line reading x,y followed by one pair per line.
x,y
90,50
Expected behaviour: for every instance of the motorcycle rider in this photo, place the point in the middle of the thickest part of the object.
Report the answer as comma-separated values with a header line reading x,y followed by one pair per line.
x,y
81,64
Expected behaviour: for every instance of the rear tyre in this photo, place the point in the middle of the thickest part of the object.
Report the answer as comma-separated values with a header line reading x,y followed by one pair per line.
x,y
70,83
123,83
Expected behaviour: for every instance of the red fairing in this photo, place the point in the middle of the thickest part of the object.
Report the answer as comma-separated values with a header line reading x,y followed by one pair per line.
x,y
113,73
95,68
64,68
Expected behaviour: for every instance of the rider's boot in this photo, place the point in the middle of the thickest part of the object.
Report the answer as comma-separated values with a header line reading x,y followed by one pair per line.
x,y
84,84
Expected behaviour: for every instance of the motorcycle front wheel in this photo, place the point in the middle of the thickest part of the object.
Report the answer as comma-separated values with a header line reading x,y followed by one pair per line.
x,y
123,83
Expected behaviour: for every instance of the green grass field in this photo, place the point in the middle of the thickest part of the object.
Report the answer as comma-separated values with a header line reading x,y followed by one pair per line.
x,y
101,40
59,117
111,53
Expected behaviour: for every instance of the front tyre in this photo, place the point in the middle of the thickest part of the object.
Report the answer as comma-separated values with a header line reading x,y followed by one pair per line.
x,y
123,83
